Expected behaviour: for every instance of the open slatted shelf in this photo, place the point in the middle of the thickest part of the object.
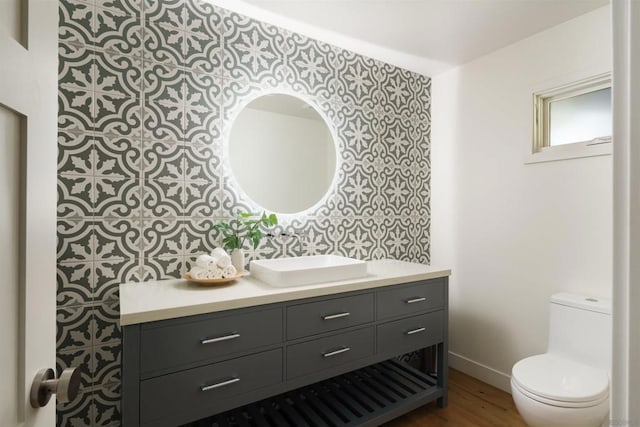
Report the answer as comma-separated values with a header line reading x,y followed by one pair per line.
x,y
365,397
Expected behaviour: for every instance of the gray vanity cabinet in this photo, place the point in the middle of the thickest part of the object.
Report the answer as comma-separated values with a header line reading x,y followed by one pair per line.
x,y
166,397
180,370
407,334
321,354
311,318
167,345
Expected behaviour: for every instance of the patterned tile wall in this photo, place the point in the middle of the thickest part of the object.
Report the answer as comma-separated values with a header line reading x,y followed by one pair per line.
x,y
146,92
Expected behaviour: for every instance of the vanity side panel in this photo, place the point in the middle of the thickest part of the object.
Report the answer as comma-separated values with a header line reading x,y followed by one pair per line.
x,y
443,351
130,399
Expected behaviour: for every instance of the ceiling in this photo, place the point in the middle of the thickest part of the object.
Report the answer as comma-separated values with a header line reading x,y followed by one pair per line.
x,y
439,33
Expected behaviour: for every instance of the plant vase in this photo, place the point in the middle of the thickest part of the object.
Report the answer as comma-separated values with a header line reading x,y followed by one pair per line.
x,y
237,259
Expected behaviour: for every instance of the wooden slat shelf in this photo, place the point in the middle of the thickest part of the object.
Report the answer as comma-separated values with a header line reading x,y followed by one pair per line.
x,y
366,397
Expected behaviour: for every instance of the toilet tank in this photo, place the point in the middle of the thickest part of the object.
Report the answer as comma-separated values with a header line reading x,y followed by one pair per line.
x,y
580,329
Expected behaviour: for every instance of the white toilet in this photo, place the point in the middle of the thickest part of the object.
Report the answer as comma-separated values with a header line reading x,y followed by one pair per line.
x,y
568,386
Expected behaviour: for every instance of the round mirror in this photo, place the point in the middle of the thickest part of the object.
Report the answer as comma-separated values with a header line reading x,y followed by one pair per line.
x,y
282,153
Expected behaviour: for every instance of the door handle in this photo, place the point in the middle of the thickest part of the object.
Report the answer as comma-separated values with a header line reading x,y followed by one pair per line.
x,y
45,384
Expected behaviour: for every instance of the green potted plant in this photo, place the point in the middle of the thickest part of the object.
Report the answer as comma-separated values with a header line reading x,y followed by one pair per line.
x,y
244,226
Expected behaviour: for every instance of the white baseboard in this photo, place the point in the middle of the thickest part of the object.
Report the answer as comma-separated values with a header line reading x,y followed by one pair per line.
x,y
482,372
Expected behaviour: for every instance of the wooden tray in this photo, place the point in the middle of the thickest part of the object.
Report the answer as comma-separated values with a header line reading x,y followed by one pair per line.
x,y
211,282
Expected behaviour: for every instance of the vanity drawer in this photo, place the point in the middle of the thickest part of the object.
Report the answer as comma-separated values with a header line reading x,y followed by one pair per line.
x,y
411,333
410,299
328,315
205,389
325,353
180,344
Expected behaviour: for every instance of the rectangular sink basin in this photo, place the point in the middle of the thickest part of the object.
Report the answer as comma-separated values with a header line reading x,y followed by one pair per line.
x,y
305,270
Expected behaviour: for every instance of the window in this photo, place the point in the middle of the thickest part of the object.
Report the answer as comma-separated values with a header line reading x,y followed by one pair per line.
x,y
573,120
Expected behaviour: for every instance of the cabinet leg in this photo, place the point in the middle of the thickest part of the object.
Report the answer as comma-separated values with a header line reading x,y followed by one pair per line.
x,y
443,373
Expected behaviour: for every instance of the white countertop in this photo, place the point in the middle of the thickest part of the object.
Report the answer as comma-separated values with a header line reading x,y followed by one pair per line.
x,y
142,302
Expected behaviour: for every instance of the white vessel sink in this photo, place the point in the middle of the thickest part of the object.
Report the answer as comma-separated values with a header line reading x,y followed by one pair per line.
x,y
305,270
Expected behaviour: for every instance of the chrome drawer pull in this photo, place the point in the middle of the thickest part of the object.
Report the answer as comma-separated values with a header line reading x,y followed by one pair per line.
x,y
415,331
218,339
220,384
336,316
336,352
414,300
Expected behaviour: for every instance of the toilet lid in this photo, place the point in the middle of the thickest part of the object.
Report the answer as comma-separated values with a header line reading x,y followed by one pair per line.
x,y
560,379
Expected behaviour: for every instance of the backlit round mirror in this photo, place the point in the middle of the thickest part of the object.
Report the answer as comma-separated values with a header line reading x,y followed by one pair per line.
x,y
282,153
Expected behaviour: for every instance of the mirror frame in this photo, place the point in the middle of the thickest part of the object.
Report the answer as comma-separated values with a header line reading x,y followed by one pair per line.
x,y
226,162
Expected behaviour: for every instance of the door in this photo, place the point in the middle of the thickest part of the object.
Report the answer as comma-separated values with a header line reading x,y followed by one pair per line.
x,y
28,110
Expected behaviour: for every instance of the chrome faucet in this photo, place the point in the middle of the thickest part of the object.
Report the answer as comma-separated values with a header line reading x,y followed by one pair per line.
x,y
285,237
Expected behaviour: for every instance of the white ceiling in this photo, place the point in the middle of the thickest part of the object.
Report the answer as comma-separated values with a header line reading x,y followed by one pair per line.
x,y
437,34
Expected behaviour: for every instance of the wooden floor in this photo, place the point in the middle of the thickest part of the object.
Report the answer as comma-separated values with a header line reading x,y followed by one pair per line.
x,y
471,403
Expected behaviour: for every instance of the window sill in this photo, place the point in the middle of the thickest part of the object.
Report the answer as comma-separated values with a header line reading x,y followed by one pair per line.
x,y
568,152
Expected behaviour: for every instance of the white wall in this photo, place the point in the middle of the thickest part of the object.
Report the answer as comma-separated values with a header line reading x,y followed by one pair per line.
x,y
512,233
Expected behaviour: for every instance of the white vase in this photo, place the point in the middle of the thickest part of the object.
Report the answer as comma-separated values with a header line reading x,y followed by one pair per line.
x,y
237,259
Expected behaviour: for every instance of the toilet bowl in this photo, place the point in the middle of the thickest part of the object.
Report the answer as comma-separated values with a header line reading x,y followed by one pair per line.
x,y
569,385
551,391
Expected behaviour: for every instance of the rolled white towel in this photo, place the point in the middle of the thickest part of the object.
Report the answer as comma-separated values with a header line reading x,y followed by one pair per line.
x,y
206,262
198,272
215,260
229,271
223,261
214,273
218,252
